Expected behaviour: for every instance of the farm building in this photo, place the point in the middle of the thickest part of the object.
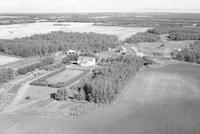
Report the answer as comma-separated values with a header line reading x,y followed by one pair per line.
x,y
86,61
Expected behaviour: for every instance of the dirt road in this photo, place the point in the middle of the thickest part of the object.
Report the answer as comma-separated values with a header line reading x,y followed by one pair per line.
x,y
159,101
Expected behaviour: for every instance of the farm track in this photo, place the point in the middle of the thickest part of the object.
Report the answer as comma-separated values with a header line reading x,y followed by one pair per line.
x,y
147,106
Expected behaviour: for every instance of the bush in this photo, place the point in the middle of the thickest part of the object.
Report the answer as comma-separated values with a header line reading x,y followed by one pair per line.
x,y
27,98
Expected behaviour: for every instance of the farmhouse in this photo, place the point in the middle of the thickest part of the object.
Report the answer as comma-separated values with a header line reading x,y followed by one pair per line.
x,y
86,61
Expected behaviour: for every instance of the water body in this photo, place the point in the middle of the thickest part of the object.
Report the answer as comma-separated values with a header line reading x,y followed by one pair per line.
x,y
24,30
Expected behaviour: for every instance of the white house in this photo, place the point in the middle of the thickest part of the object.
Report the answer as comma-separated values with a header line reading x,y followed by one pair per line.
x,y
86,61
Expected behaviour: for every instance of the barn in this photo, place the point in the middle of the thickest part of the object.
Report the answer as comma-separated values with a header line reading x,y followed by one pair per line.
x,y
86,61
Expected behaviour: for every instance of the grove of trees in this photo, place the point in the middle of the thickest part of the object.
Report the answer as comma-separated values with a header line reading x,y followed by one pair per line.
x,y
104,83
143,37
45,44
178,33
191,54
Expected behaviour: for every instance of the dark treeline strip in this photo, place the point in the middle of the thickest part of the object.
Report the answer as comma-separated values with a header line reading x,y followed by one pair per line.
x,y
104,83
33,67
57,41
142,37
191,54
178,33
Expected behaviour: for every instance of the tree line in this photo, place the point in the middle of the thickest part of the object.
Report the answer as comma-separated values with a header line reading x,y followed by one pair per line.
x,y
178,33
45,44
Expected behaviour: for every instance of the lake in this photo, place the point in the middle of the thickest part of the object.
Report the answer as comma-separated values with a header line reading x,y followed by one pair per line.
x,y
24,30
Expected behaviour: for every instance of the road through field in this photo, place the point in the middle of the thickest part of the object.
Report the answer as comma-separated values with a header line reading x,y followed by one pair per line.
x,y
162,100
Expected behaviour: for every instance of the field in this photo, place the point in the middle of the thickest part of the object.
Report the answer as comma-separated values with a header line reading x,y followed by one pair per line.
x,y
35,93
18,63
64,76
162,100
23,30
161,48
7,59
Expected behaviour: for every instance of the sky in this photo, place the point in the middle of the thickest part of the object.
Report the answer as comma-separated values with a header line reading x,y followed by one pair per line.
x,y
10,6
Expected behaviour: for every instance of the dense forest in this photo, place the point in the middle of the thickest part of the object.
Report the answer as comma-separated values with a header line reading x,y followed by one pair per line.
x,y
46,44
178,33
143,37
104,83
191,54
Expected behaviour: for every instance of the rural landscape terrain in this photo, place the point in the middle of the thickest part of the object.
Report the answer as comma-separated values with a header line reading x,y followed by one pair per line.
x,y
100,73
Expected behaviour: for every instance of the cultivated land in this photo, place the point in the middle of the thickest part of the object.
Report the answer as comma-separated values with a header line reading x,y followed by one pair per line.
x,y
161,99
64,76
171,107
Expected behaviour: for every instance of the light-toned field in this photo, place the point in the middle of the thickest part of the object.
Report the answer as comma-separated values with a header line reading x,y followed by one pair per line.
x,y
64,76
23,30
37,92
158,101
161,48
7,59
19,63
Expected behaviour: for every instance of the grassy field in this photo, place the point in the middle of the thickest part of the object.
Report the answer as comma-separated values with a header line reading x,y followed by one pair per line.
x,y
64,76
161,48
36,92
7,59
18,63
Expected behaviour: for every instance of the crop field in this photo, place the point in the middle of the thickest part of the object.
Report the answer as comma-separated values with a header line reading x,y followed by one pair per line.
x,y
5,99
50,107
64,76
